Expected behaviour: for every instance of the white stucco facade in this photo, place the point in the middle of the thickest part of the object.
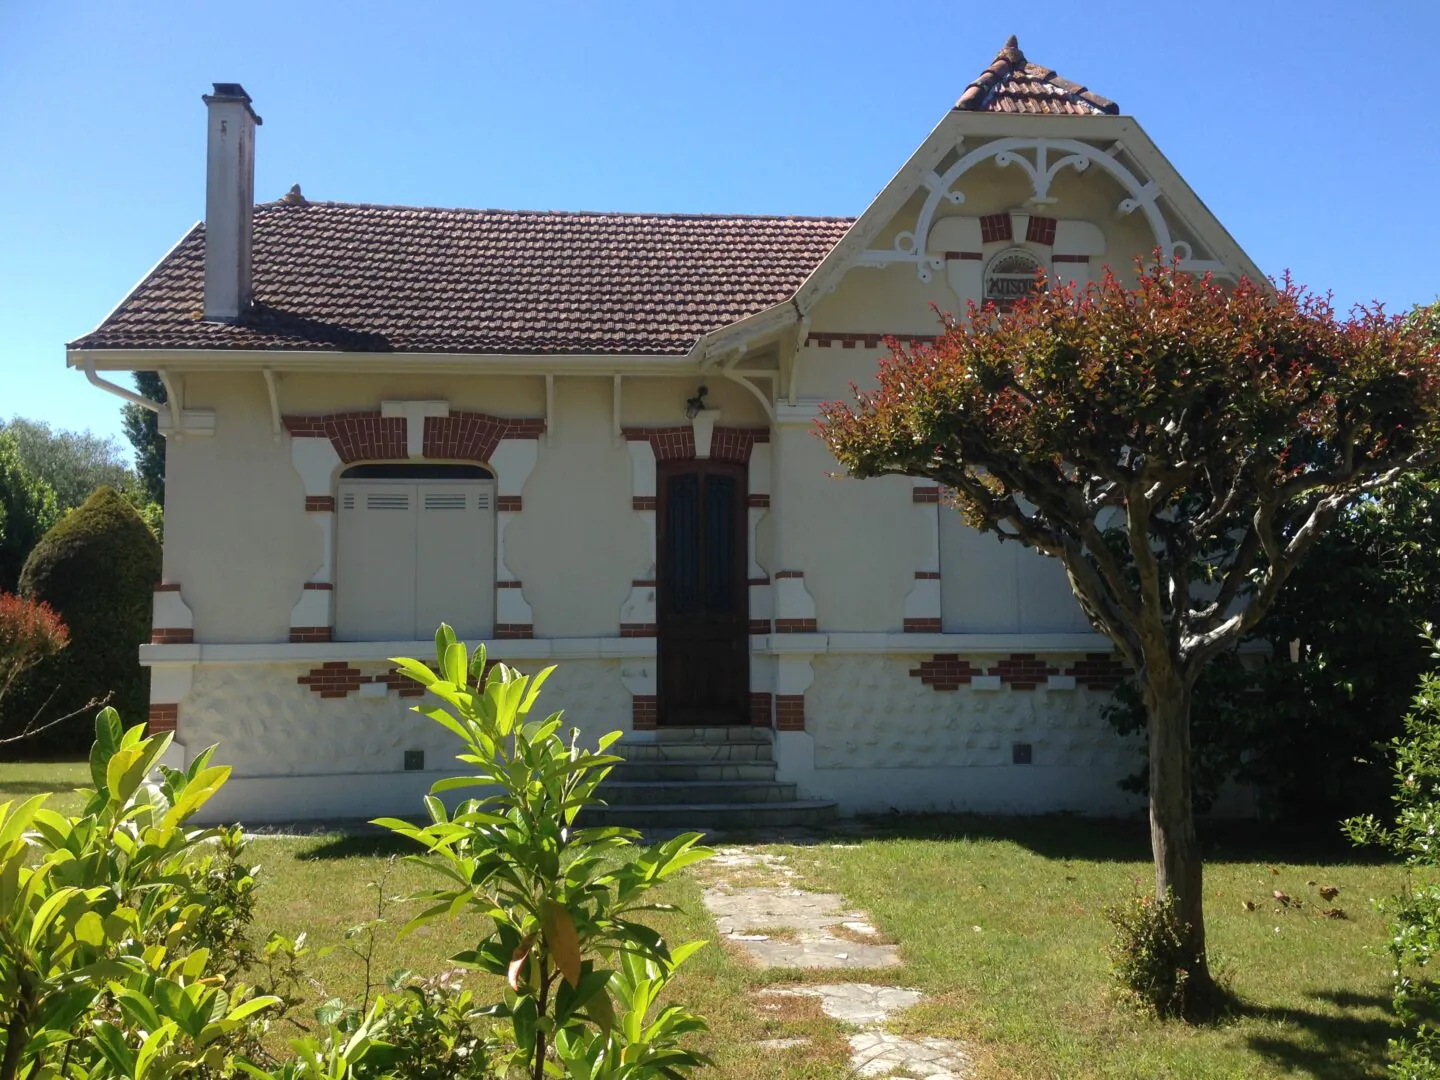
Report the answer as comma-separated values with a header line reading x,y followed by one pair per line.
x,y
902,661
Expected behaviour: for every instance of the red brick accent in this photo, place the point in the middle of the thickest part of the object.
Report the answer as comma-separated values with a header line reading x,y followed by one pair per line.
x,y
333,679
514,631
796,626
355,435
162,635
637,629
946,672
402,684
759,626
644,712
760,709
923,626
511,503
995,228
319,586
678,444
309,634
789,574
757,501
927,575
790,712
163,718
968,256
319,503
340,678
508,585
1098,671
736,444
925,495
758,581
1041,230
866,340
1070,258
1022,671
643,502
467,436
168,586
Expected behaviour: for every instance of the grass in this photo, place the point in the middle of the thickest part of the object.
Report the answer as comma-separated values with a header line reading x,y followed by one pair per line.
x,y
23,779
999,922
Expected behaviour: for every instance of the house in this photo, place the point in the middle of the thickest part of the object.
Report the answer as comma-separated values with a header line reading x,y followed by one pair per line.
x,y
586,439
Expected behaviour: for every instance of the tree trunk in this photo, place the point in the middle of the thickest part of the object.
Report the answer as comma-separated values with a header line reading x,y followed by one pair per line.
x,y
1172,821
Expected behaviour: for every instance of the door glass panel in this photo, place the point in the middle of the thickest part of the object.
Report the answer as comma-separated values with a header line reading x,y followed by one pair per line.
x,y
719,569
682,526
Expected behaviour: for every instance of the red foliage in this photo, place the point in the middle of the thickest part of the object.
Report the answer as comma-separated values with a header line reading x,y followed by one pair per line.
x,y
29,633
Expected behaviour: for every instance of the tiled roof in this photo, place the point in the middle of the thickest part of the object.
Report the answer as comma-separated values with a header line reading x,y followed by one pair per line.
x,y
1011,84
336,276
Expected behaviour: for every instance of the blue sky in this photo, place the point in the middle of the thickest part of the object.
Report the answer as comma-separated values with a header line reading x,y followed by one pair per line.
x,y
1308,127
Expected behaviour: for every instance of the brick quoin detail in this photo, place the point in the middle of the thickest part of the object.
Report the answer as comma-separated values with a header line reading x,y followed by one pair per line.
x,y
995,228
796,626
473,436
511,503
508,585
759,710
168,586
925,495
946,671
164,718
789,574
309,634
927,575
1022,671
1098,671
790,712
922,626
678,444
757,502
759,626
356,436
964,256
866,340
1041,230
319,504
643,502
320,586
514,631
161,635
644,712
340,678
1070,258
638,629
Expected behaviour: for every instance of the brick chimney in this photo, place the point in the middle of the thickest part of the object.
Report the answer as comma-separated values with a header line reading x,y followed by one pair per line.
x,y
229,201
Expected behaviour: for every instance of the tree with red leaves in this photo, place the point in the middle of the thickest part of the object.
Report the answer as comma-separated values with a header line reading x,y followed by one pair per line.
x,y
29,633
1179,446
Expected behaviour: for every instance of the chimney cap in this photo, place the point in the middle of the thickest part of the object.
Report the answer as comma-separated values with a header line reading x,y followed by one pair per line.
x,y
228,92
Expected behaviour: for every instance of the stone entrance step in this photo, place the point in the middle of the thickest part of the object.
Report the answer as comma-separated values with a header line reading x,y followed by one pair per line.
x,y
707,778
802,813
628,792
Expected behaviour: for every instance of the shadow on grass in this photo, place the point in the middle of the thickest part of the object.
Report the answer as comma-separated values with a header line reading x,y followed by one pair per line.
x,y
35,787
362,846
1324,1046
1069,836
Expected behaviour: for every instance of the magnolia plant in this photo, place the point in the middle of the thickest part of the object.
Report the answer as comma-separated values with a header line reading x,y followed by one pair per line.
x,y
581,971
1179,446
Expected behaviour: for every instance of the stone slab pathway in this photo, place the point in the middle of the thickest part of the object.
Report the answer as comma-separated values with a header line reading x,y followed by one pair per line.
x,y
757,904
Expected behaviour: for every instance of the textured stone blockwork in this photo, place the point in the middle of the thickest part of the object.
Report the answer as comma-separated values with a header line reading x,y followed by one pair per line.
x,y
881,712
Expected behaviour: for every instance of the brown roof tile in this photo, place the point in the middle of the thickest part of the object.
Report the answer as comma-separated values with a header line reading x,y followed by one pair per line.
x,y
336,276
1011,84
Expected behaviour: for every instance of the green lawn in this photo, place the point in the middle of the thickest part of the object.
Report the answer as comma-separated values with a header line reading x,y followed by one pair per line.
x,y
999,922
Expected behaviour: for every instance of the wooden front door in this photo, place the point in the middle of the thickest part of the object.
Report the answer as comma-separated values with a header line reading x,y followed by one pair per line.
x,y
702,602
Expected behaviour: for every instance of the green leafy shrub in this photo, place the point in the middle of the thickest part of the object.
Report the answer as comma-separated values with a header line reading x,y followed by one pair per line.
x,y
1414,836
1149,958
581,973
97,569
102,970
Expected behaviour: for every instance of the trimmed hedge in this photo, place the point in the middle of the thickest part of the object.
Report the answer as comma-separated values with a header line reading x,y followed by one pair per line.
x,y
97,568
